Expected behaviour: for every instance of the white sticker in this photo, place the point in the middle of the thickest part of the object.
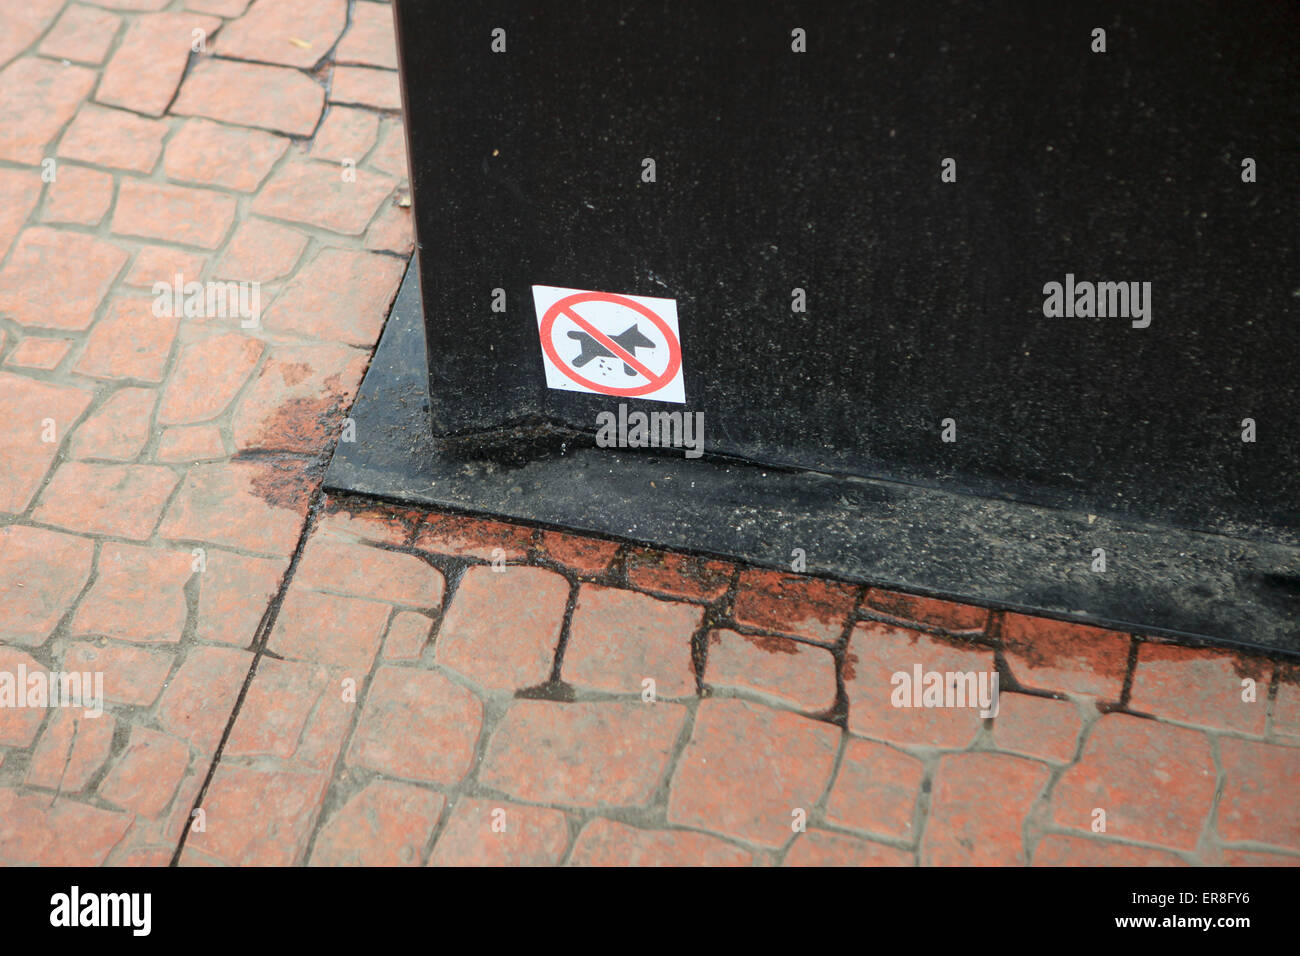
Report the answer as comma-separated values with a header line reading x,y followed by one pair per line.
x,y
602,343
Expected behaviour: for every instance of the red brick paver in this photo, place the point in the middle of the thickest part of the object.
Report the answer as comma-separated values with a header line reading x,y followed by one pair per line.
x,y
595,754
1142,781
750,772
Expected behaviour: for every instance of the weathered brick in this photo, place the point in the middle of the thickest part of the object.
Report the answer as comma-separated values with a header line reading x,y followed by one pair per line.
x,y
1286,707
18,725
138,595
747,768
462,537
341,567
211,154
1258,803
363,86
22,23
132,675
502,629
393,231
440,724
113,138
129,342
41,574
341,632
78,196
346,134
408,635
948,615
977,810
234,590
618,639
586,556
276,709
257,817
678,575
289,32
37,98
155,264
327,730
250,505
200,698
876,653
38,353
145,778
141,5
82,34
386,824
340,295
71,750
318,194
180,818
192,217
298,400
587,754
148,65
609,843
1057,849
358,521
390,155
820,848
495,833
1064,657
208,373
56,280
120,500
31,412
1154,782
795,674
1200,686
34,831
261,251
876,790
1037,727
806,607
189,444
1249,858
159,857
220,8
20,191
118,429
250,94
369,40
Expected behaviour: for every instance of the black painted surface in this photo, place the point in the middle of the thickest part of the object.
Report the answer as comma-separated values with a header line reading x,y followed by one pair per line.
x,y
1160,580
821,170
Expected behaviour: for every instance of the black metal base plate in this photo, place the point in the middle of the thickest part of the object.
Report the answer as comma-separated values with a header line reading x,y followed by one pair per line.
x,y
1159,580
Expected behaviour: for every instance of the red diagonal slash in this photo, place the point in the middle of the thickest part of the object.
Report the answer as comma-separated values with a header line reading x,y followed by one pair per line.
x,y
619,352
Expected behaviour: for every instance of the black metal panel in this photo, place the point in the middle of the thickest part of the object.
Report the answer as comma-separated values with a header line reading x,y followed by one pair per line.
x,y
1160,580
821,170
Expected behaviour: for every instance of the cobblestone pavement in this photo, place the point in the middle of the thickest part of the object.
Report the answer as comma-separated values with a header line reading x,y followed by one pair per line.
x,y
292,679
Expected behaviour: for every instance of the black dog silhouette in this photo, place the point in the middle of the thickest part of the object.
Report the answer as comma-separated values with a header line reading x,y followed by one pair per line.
x,y
631,339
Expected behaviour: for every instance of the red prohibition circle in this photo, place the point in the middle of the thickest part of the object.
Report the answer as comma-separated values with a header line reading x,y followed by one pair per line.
x,y
565,304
